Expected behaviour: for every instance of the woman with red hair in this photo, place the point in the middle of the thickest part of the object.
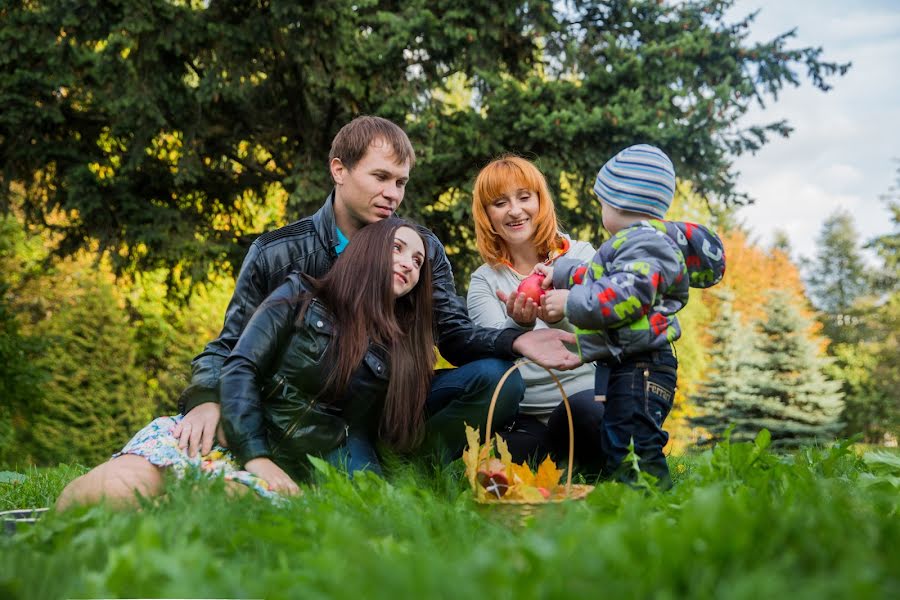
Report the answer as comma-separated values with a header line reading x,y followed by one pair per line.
x,y
516,228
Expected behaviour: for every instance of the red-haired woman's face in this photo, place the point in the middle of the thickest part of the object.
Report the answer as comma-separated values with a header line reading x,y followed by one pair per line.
x,y
512,215
409,256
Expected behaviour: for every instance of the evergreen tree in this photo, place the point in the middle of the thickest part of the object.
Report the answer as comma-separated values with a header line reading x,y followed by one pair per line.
x,y
838,277
888,245
158,125
789,393
781,242
94,397
19,379
870,368
725,393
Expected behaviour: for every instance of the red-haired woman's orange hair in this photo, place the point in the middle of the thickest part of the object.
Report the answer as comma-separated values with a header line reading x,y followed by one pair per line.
x,y
501,175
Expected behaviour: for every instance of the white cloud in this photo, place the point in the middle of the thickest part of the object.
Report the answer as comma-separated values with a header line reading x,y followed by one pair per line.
x,y
840,154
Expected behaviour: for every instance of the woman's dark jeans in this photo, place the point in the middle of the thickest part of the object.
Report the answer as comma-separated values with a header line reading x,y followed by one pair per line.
x,y
638,400
356,454
529,440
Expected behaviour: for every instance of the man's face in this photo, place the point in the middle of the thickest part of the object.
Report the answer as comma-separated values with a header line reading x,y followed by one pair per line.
x,y
373,189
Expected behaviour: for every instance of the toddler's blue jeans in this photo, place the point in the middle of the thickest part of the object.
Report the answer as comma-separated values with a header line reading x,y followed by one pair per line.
x,y
638,399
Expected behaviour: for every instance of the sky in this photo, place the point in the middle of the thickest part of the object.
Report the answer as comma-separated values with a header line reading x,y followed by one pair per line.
x,y
845,146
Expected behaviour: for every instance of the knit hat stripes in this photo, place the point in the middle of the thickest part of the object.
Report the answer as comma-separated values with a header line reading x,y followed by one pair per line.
x,y
639,179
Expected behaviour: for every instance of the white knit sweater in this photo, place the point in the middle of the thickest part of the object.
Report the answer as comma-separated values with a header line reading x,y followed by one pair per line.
x,y
541,393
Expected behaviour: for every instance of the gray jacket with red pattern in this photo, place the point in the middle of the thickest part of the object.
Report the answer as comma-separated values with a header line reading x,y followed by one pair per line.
x,y
623,301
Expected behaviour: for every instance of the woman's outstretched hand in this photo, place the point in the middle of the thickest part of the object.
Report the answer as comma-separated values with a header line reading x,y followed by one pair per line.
x,y
278,480
519,308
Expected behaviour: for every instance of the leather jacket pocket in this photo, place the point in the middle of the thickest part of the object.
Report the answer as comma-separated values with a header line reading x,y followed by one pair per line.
x,y
300,425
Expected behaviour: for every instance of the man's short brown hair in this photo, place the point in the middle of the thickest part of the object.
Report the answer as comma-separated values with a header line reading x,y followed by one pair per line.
x,y
353,140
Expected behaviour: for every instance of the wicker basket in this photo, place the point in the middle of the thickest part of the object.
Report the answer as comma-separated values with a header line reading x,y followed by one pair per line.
x,y
573,491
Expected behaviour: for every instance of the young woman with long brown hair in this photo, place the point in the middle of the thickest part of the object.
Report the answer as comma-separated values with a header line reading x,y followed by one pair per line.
x,y
354,348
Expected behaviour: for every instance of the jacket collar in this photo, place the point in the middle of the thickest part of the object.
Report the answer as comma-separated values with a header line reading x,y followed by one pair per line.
x,y
324,222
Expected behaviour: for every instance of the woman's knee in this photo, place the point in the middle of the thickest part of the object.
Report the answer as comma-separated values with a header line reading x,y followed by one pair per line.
x,y
480,379
117,481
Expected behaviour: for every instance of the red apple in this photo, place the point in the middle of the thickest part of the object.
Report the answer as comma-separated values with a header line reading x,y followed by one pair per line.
x,y
492,477
544,492
531,287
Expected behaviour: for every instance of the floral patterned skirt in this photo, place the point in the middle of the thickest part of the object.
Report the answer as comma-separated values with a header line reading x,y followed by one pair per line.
x,y
156,443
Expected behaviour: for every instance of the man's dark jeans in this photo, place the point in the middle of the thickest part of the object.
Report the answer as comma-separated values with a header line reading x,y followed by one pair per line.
x,y
457,396
462,396
638,400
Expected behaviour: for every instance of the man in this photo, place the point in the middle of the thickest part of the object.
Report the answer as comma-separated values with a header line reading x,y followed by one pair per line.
x,y
370,161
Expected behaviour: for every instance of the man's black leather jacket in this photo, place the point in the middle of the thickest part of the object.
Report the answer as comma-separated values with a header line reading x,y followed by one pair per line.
x,y
307,246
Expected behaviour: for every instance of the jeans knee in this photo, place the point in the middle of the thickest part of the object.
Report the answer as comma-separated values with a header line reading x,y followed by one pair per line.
x,y
511,393
487,372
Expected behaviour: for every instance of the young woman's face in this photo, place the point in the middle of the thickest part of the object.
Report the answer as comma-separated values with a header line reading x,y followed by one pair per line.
x,y
409,256
512,215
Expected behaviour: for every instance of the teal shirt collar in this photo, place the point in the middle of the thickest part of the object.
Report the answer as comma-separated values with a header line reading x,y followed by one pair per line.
x,y
342,241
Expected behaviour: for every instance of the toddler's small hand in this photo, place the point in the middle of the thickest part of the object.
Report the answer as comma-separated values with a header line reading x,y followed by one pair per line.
x,y
547,282
553,305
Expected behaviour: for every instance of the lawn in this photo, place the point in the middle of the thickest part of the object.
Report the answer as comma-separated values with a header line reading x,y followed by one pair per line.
x,y
740,522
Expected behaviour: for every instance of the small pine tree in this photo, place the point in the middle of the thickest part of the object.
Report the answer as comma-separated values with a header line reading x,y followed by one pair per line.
x,y
727,388
838,277
94,398
19,379
790,394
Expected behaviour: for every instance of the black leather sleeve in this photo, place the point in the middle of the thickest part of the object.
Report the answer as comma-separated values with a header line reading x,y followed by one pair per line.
x,y
255,355
458,338
249,291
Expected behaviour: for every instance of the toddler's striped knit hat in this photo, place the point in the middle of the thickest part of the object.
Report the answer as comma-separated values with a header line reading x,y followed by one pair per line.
x,y
640,179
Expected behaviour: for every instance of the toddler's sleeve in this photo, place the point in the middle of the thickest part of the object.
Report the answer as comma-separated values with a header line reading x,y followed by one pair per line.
x,y
642,263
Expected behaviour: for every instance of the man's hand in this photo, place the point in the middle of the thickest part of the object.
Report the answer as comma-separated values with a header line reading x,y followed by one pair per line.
x,y
278,480
553,306
197,430
545,347
522,310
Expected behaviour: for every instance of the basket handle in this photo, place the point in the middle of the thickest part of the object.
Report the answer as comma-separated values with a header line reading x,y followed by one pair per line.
x,y
490,416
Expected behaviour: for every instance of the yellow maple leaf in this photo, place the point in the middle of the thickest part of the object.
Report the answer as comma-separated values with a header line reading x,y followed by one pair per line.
x,y
471,455
520,475
547,475
505,455
528,493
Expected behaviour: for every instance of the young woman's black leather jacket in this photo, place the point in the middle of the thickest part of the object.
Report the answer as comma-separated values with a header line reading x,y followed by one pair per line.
x,y
278,367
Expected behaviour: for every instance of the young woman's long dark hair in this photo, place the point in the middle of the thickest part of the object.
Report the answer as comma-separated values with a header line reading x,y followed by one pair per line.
x,y
358,290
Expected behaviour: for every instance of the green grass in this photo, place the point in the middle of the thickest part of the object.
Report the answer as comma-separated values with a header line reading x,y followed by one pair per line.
x,y
740,522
